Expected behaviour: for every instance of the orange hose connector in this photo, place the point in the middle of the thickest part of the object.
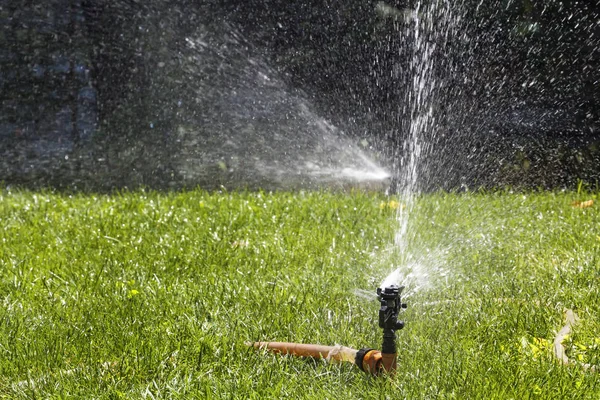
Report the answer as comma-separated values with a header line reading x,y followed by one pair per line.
x,y
371,362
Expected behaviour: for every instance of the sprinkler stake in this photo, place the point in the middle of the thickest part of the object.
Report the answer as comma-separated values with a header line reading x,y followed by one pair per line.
x,y
371,361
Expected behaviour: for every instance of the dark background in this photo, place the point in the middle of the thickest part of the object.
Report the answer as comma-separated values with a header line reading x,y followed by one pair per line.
x,y
518,105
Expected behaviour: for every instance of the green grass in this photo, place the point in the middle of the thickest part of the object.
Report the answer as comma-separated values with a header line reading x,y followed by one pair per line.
x,y
147,295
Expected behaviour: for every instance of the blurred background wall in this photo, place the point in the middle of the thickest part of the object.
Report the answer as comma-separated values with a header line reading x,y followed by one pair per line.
x,y
94,94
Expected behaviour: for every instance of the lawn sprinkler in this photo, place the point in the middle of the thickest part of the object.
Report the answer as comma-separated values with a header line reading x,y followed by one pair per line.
x,y
369,360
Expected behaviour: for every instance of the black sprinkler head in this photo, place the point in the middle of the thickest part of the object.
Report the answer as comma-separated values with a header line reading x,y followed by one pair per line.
x,y
391,303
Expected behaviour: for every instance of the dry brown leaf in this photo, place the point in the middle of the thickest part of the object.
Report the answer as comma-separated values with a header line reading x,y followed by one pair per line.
x,y
583,204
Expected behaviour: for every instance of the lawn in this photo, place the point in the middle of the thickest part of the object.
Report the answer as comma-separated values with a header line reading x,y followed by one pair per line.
x,y
150,295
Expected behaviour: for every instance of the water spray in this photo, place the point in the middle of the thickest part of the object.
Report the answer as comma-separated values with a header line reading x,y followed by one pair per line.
x,y
371,361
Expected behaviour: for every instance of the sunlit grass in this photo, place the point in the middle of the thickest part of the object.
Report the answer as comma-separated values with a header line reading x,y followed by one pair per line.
x,y
153,295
